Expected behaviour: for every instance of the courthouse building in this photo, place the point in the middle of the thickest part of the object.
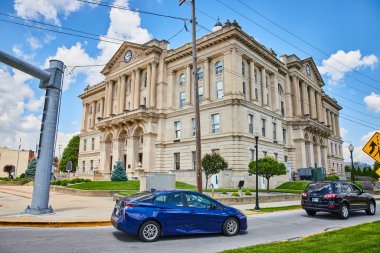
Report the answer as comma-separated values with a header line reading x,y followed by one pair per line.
x,y
143,112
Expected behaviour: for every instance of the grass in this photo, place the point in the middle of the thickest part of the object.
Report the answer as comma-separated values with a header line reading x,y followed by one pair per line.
x,y
360,238
294,185
254,190
182,185
275,209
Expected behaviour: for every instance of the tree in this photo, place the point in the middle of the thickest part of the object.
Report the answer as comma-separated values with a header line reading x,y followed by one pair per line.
x,y
30,172
268,167
347,168
364,172
358,172
70,153
376,166
213,164
9,168
118,174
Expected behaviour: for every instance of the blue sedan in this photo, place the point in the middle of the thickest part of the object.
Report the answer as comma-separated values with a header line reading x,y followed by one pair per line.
x,y
150,215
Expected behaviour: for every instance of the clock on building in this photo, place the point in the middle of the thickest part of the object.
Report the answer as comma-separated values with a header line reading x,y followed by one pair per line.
x,y
308,71
128,56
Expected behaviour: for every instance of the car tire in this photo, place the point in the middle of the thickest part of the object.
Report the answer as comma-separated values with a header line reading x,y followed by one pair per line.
x,y
344,211
311,213
231,227
150,231
371,210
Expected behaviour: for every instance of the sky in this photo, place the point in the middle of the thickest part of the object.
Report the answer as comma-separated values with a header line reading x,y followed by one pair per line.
x,y
342,37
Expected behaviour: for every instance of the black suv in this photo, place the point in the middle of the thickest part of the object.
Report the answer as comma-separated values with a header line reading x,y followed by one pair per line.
x,y
336,197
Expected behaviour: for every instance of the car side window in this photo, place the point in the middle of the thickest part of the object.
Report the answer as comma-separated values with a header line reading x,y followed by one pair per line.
x,y
197,201
346,188
355,189
338,187
171,199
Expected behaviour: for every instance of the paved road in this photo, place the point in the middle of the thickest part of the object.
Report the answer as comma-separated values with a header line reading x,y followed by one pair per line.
x,y
263,228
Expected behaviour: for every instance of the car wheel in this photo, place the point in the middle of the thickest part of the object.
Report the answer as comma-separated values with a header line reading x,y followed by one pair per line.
x,y
371,208
311,213
150,231
344,211
230,227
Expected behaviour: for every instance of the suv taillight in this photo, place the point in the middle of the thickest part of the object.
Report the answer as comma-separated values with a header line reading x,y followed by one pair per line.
x,y
304,195
329,196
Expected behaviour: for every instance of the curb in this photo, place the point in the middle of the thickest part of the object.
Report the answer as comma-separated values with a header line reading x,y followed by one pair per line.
x,y
55,224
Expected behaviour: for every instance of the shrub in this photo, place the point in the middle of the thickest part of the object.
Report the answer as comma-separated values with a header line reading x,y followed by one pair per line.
x,y
359,185
22,175
118,174
332,178
367,185
64,183
30,172
235,194
248,192
58,182
76,180
87,180
224,192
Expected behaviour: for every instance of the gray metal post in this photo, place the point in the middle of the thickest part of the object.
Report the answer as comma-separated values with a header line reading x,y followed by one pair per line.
x,y
51,80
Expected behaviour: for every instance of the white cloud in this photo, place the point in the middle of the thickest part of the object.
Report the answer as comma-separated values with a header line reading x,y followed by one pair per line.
x,y
373,102
47,9
343,132
358,154
34,43
341,63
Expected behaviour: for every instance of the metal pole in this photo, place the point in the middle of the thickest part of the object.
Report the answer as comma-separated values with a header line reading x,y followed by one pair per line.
x,y
352,168
257,172
197,115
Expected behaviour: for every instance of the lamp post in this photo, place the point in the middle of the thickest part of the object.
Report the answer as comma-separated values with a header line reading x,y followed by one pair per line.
x,y
256,134
351,149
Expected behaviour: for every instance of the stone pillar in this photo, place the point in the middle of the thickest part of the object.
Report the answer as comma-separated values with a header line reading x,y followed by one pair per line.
x,y
103,156
122,94
311,154
149,152
237,68
133,88
105,109
115,151
275,97
319,108
149,84
136,101
131,161
337,125
153,91
110,98
93,114
288,97
305,99
313,104
229,78
84,117
332,122
296,97
252,80
263,88
188,84
171,90
319,158
102,107
206,79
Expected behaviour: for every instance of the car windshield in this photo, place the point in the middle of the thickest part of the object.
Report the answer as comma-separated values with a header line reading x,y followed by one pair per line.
x,y
323,188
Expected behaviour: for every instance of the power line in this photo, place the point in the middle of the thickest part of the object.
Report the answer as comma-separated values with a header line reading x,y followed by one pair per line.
x,y
308,43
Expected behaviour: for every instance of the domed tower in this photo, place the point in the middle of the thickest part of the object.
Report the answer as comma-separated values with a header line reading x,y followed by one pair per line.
x,y
218,26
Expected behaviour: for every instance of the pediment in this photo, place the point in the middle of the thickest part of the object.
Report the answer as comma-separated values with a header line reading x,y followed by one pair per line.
x,y
309,69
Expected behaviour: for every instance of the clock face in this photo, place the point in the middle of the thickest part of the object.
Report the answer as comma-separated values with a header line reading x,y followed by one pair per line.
x,y
128,56
308,71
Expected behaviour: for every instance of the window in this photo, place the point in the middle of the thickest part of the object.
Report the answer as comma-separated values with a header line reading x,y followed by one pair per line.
x,y
114,91
91,165
255,73
171,199
276,156
90,123
145,80
98,107
182,99
250,123
141,139
267,99
285,158
244,89
193,127
332,150
144,101
93,143
257,94
274,131
282,108
252,154
265,153
336,150
177,130
84,145
280,90
90,110
215,123
83,166
243,68
194,159
266,83
197,201
200,73
182,79
218,68
263,127
177,161
215,151
200,94
284,137
129,85
219,89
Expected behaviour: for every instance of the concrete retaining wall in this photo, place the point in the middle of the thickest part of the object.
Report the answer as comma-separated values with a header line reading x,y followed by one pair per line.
x,y
262,199
16,183
87,193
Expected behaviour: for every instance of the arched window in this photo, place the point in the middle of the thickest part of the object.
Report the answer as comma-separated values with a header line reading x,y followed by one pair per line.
x,y
182,79
281,99
200,73
218,67
242,68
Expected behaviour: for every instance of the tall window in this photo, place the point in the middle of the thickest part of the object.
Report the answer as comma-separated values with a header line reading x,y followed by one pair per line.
x,y
244,89
219,89
282,108
83,166
144,101
177,130
281,97
243,68
215,123
200,73
265,153
91,165
93,143
193,126
252,151
263,123
266,82
284,137
194,159
84,144
129,86
257,94
177,161
255,73
98,107
218,67
114,91
90,110
200,94
250,123
182,79
274,130
182,99
276,156
145,80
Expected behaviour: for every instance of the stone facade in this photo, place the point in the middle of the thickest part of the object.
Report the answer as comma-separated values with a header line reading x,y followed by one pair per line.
x,y
143,113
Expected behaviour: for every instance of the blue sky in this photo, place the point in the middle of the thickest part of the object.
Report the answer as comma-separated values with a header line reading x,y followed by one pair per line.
x,y
333,32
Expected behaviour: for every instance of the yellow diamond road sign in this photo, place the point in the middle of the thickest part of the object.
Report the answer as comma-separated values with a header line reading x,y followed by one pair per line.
x,y
372,148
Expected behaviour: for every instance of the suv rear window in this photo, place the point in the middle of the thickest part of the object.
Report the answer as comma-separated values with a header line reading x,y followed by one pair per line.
x,y
323,188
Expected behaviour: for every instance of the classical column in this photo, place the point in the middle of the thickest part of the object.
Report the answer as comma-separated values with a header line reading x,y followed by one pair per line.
x,y
206,79
171,90
102,107
188,84
288,97
136,101
332,122
115,151
319,108
122,94
319,158
337,125
275,97
153,90
93,115
149,91
132,91
313,104
296,97
84,117
263,88
110,97
305,99
252,80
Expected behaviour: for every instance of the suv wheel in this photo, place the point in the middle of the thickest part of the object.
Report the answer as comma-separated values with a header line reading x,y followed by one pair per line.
x,y
311,213
344,211
150,231
230,227
371,210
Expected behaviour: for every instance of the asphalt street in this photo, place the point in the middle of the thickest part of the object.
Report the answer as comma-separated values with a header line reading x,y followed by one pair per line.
x,y
262,228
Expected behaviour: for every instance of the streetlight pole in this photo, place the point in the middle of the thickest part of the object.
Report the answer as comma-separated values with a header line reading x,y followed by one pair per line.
x,y
351,149
257,169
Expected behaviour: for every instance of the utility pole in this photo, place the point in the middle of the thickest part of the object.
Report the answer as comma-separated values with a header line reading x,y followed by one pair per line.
x,y
51,81
18,157
196,94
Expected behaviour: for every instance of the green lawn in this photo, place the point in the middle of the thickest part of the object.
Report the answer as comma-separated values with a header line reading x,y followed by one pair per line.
x,y
253,190
294,185
275,209
123,186
182,185
361,238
